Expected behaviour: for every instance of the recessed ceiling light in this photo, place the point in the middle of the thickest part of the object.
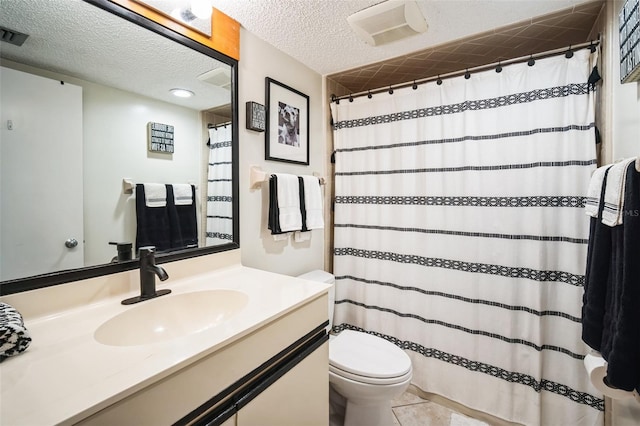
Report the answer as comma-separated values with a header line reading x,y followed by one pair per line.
x,y
182,93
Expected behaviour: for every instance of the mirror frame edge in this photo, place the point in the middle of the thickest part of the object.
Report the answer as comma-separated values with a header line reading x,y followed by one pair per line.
x,y
70,275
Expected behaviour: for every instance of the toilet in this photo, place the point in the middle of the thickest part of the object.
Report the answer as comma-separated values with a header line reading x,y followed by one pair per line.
x,y
366,372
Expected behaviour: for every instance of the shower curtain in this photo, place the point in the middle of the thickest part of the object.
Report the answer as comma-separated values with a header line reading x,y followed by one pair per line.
x,y
460,234
219,194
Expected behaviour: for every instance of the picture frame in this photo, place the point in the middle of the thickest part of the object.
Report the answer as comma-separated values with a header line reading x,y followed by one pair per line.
x,y
287,123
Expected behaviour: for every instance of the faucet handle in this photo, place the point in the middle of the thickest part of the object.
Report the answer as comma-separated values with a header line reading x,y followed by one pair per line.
x,y
146,250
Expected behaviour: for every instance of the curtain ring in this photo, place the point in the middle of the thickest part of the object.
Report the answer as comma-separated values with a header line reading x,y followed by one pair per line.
x,y
439,81
333,97
531,62
499,68
350,98
569,53
415,85
592,47
390,90
369,95
467,75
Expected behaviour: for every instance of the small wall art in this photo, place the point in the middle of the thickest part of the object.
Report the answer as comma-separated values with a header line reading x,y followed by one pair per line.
x,y
160,137
287,124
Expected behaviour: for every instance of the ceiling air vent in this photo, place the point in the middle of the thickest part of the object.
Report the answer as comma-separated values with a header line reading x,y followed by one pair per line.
x,y
13,37
389,21
220,77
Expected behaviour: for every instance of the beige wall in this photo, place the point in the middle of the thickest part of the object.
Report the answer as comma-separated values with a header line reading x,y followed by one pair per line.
x,y
619,121
258,60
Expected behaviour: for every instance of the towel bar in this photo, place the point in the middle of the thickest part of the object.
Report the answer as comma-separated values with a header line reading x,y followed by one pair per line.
x,y
257,176
128,186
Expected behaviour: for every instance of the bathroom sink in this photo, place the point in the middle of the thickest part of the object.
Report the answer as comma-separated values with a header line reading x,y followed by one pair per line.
x,y
170,317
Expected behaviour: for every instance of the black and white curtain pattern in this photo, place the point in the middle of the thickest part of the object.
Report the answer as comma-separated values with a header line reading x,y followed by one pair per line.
x,y
460,234
219,189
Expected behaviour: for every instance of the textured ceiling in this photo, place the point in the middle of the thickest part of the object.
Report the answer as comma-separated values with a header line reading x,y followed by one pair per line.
x,y
316,32
541,34
77,39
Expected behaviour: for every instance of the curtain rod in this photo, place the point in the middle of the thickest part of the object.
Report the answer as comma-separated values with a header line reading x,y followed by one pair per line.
x,y
568,51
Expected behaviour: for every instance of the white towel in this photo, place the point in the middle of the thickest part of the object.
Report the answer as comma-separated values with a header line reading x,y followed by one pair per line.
x,y
182,194
313,202
155,194
289,202
592,204
612,214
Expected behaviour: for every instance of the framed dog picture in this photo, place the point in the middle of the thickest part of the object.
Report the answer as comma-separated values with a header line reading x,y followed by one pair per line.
x,y
287,124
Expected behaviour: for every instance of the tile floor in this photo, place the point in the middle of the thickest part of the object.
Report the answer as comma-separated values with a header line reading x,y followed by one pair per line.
x,y
411,410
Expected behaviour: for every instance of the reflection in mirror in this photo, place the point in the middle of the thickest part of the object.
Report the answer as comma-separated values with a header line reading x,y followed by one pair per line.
x,y
77,99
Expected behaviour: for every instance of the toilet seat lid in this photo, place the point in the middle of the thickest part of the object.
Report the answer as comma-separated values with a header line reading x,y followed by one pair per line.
x,y
367,355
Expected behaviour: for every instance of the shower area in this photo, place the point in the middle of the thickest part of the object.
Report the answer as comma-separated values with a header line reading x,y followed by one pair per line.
x,y
460,235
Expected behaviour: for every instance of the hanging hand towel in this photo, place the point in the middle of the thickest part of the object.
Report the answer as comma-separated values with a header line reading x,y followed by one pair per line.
x,y
284,204
593,194
155,194
182,194
182,216
313,202
612,215
152,220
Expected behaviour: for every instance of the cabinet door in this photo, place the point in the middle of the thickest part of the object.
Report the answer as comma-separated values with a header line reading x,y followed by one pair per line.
x,y
299,398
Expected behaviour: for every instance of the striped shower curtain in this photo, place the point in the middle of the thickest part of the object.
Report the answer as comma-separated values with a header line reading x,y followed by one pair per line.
x,y
460,234
219,191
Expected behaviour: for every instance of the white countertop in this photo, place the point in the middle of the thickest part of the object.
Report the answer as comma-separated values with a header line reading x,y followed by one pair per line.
x,y
66,375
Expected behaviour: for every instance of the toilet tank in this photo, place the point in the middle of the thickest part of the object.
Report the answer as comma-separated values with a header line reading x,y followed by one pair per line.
x,y
327,278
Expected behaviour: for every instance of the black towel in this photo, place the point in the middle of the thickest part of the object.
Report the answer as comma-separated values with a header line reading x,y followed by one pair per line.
x,y
153,223
621,347
273,222
611,303
182,221
596,277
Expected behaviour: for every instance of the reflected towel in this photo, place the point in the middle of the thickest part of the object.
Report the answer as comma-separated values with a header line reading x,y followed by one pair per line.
x,y
183,220
612,215
152,223
592,204
182,194
155,194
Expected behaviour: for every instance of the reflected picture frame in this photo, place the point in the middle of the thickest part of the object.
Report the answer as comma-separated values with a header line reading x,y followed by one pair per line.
x,y
287,123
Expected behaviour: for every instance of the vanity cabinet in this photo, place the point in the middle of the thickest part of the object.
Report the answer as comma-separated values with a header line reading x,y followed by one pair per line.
x,y
298,398
276,374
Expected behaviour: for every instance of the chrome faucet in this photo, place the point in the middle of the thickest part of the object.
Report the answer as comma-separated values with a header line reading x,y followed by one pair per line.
x,y
148,272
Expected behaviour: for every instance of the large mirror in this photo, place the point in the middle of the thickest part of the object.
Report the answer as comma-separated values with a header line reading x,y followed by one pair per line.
x,y
89,118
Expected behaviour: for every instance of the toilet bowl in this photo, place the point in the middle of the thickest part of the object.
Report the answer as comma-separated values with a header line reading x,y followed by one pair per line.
x,y
366,372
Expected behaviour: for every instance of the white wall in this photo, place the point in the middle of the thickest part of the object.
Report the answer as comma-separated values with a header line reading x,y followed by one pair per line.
x,y
626,104
115,147
258,60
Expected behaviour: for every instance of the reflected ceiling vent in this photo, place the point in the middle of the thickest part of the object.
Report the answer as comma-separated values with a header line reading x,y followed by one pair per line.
x,y
13,37
220,77
389,21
